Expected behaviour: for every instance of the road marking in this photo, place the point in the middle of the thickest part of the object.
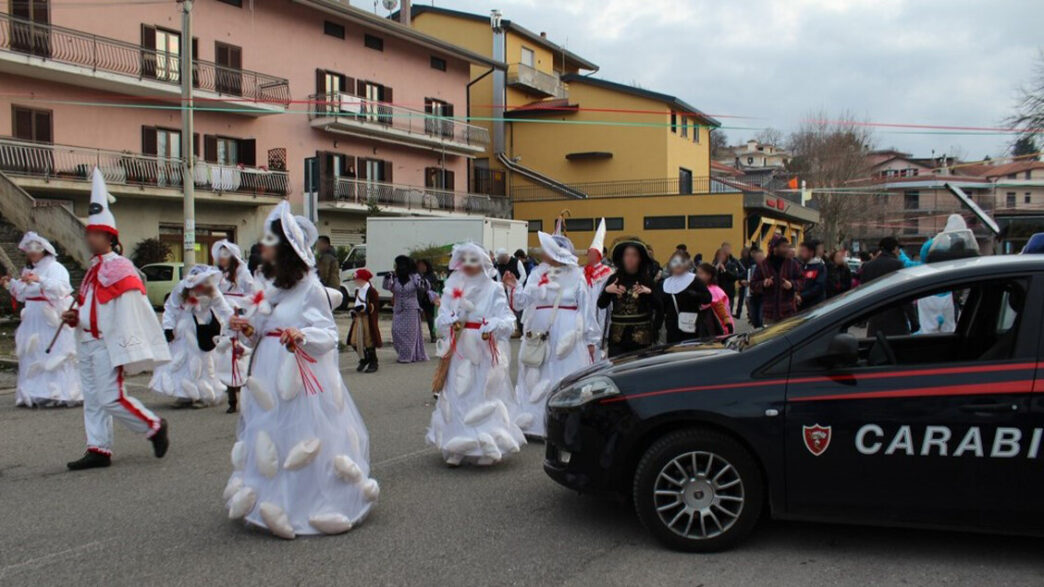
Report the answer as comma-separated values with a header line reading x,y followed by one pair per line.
x,y
43,559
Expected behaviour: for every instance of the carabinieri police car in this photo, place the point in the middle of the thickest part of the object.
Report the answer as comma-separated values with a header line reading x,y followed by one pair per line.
x,y
837,414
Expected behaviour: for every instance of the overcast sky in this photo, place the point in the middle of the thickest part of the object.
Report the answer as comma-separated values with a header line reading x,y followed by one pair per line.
x,y
936,62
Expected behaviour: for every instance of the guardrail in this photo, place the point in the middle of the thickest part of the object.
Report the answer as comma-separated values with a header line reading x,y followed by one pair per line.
x,y
63,45
616,189
361,191
354,109
63,162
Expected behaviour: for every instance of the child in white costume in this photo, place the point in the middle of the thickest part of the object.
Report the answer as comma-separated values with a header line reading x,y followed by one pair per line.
x,y
556,308
192,316
472,420
44,378
232,357
301,456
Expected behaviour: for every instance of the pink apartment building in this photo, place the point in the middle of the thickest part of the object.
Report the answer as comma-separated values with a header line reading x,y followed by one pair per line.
x,y
335,108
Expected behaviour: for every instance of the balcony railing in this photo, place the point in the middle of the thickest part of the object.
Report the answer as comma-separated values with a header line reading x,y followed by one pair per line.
x,y
62,45
350,109
62,162
616,189
530,78
361,191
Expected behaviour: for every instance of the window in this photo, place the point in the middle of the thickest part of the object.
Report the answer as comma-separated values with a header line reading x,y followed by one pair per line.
x,y
1026,198
528,57
710,221
1009,200
1029,174
674,121
664,222
30,124
580,224
168,54
229,151
695,132
438,63
911,200
333,29
684,181
375,107
438,178
750,161
33,37
614,223
229,63
536,225
685,127
236,3
372,42
439,120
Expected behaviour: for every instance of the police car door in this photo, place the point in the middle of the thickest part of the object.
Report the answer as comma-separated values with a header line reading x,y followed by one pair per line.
x,y
931,427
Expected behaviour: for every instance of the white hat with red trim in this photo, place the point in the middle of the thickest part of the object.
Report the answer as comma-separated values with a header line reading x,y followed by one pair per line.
x,y
99,217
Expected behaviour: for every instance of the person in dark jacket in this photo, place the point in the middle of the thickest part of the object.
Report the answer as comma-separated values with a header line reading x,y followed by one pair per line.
x,y
744,282
894,321
681,293
839,274
757,256
815,272
635,307
778,279
326,263
428,297
729,271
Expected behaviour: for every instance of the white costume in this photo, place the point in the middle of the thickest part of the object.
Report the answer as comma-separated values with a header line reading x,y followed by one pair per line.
x,y
301,456
118,334
44,378
568,336
473,416
232,357
190,374
595,277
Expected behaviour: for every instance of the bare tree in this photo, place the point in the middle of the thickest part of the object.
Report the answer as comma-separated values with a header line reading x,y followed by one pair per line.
x,y
1029,107
718,143
830,154
770,136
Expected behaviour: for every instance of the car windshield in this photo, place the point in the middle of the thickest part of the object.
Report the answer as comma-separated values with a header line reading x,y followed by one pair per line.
x,y
872,289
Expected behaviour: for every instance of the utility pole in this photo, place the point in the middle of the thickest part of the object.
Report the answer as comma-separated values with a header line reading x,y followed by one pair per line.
x,y
188,175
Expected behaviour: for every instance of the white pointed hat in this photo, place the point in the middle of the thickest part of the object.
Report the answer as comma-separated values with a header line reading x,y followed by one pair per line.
x,y
300,233
598,242
99,217
557,247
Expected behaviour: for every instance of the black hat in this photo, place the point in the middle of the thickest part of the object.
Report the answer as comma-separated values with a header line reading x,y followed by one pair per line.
x,y
621,245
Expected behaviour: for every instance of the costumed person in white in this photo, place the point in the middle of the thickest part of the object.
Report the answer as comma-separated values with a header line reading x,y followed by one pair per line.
x,y
117,335
46,374
232,357
192,317
472,421
301,456
559,331
595,275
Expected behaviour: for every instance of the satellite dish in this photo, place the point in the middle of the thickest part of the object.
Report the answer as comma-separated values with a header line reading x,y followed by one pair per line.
x,y
390,4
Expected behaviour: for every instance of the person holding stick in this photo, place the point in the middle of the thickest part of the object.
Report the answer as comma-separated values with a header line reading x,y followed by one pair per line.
x,y
117,334
46,374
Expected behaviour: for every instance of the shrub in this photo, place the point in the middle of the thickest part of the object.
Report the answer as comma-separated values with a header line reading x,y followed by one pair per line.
x,y
151,250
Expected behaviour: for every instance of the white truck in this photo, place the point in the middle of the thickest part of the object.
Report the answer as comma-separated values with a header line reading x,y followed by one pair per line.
x,y
389,237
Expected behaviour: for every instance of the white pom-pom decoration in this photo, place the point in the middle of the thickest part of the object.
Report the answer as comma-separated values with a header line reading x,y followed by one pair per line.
x,y
238,455
506,442
523,420
241,503
538,392
275,518
54,361
302,454
331,523
52,317
233,486
460,444
489,446
222,343
289,379
353,439
347,470
566,343
206,392
442,346
337,396
371,490
266,456
264,307
260,395
479,413
189,389
30,345
467,305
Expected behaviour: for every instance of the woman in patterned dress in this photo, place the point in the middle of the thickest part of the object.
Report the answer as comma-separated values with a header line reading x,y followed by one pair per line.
x,y
407,333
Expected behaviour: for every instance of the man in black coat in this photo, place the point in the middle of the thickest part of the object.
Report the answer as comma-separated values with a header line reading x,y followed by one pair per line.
x,y
894,321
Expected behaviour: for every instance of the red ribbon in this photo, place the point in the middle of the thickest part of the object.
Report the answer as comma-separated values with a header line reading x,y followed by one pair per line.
x,y
237,352
308,378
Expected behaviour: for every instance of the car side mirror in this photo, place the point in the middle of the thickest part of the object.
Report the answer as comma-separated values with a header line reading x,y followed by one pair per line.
x,y
843,350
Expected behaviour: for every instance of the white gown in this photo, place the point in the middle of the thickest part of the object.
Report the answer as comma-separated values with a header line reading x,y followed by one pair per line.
x,y
190,374
473,417
45,378
574,328
232,357
302,454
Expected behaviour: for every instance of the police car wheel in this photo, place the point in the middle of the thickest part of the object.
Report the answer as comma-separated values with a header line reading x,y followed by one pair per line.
x,y
698,491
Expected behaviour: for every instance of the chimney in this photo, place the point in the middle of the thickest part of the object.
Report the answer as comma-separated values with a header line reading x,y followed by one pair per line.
x,y
405,13
543,35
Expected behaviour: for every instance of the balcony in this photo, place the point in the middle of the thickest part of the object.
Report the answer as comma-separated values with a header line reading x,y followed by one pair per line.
x,y
62,168
616,189
85,60
359,194
351,115
533,81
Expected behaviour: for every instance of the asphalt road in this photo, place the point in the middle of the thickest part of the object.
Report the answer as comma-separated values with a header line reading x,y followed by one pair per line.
x,y
162,522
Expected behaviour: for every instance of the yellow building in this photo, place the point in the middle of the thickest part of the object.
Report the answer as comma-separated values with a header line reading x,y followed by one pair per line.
x,y
563,140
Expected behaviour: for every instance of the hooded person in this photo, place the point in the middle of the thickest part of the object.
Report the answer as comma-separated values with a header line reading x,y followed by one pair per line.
x,y
473,420
231,357
301,457
595,275
117,335
365,333
46,376
777,279
407,287
559,330
192,317
634,309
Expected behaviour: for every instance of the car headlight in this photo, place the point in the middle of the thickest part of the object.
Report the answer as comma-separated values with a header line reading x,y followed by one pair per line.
x,y
584,391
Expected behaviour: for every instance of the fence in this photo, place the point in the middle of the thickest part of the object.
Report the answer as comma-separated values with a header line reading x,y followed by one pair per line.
x,y
360,191
616,189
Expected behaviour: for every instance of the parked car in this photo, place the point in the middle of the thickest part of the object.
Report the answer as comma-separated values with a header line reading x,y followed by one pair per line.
x,y
813,418
160,279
